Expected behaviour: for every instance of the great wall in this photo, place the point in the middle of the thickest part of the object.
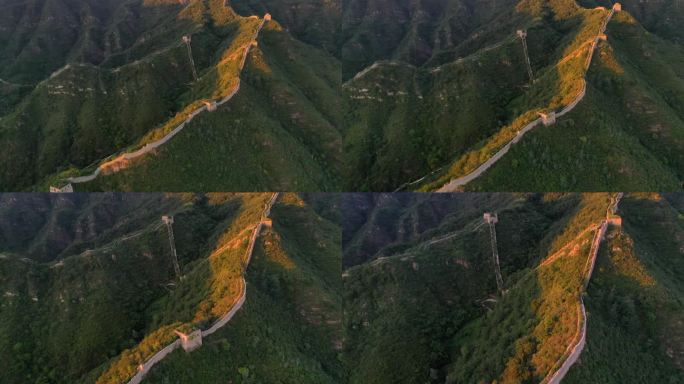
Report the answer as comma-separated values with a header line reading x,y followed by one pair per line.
x,y
546,119
404,256
194,340
123,161
112,245
574,350
188,40
491,219
11,84
168,221
522,34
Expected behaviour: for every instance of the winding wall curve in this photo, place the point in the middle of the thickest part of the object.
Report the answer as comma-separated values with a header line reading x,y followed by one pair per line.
x,y
144,368
122,161
452,185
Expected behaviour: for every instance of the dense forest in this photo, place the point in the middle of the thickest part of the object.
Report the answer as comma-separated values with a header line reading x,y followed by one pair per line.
x,y
422,302
90,288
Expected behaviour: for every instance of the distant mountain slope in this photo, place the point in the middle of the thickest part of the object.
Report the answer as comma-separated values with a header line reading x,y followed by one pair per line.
x,y
377,225
40,36
661,17
415,32
46,227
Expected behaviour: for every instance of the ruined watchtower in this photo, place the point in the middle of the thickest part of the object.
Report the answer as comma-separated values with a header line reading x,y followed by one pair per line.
x,y
191,341
65,189
491,218
615,221
211,105
548,118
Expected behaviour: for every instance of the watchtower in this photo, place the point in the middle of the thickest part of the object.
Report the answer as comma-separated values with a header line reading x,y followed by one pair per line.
x,y
491,218
191,341
615,221
548,118
267,17
211,105
65,189
617,7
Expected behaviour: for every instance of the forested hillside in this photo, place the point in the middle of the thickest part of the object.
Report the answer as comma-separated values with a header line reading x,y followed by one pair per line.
x,y
109,296
636,311
424,304
435,90
86,84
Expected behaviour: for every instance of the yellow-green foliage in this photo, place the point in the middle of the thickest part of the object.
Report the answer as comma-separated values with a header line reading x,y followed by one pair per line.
x,y
555,87
634,300
206,293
